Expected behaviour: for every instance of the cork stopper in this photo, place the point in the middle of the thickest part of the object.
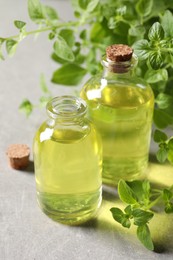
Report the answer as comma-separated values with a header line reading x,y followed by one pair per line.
x,y
119,52
18,156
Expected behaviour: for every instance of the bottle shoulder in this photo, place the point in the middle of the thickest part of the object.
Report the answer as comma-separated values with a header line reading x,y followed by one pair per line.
x,y
116,91
65,133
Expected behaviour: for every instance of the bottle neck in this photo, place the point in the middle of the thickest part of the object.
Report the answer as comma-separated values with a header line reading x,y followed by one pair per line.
x,y
123,68
66,109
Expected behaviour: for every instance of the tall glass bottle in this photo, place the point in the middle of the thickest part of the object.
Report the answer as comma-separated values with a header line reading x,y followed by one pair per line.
x,y
121,106
68,158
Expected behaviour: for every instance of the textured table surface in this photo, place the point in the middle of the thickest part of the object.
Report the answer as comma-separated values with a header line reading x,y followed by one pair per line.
x,y
25,232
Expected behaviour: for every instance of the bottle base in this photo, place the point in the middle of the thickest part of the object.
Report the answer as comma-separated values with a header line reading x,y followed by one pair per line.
x,y
70,209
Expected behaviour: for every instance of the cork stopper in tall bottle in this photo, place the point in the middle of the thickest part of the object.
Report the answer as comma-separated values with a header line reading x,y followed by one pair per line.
x,y
119,53
119,58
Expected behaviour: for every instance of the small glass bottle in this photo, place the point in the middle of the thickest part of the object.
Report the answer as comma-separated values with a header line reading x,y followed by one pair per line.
x,y
68,162
121,106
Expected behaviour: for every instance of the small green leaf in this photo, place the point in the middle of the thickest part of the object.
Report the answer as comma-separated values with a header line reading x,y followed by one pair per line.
x,y
128,210
156,32
144,7
142,49
51,13
167,195
19,24
117,214
159,136
126,222
35,10
163,100
154,76
68,36
144,236
83,34
26,107
83,3
62,49
126,193
169,208
156,59
69,74
137,188
51,35
167,22
141,217
92,5
58,59
162,119
11,46
162,155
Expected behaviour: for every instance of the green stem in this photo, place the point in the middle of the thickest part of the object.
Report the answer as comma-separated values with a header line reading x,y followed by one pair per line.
x,y
153,203
44,29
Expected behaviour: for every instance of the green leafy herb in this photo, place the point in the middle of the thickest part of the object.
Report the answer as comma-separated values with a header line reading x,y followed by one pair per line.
x,y
139,210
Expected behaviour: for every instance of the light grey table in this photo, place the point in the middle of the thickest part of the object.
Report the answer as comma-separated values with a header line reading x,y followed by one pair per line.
x,y
25,232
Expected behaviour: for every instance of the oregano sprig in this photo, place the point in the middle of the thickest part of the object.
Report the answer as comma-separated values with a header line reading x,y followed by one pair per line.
x,y
141,199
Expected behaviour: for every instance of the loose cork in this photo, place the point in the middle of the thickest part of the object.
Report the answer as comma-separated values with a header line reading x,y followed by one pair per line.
x,y
119,52
18,156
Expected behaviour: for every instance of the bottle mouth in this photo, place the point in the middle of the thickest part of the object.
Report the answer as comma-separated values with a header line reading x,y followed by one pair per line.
x,y
119,66
66,107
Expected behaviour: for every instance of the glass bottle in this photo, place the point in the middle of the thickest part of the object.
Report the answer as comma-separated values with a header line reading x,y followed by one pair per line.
x,y
121,106
68,162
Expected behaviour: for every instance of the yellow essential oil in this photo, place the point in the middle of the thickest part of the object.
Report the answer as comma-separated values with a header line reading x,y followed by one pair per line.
x,y
121,106
68,158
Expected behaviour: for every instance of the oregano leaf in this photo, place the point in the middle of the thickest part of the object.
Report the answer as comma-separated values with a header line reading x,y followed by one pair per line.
x,y
62,49
162,155
51,13
142,49
11,46
167,21
68,36
92,5
156,32
19,24
117,214
159,136
144,7
26,107
156,59
141,217
144,236
125,193
162,119
154,76
69,74
35,10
